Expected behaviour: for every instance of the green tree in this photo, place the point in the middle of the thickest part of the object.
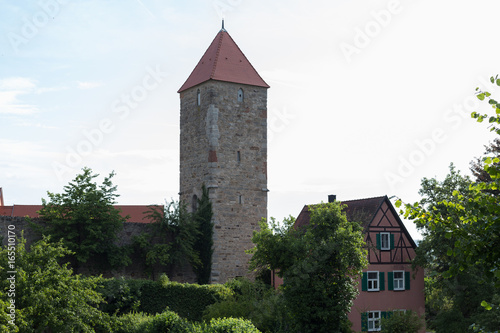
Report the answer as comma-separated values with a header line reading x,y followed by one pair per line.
x,y
84,219
170,241
48,297
402,322
477,235
204,242
320,264
447,297
462,229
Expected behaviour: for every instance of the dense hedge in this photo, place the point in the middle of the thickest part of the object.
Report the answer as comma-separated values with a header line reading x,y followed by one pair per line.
x,y
233,325
152,297
169,321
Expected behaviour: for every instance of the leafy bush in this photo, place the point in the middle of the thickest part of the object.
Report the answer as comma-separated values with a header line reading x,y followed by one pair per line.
x,y
121,295
254,301
398,322
166,321
49,297
169,321
231,325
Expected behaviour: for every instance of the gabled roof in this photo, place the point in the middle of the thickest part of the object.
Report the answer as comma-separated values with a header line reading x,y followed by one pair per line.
x,y
224,61
361,210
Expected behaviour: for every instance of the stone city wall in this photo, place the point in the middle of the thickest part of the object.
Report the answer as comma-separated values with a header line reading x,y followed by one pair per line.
x,y
20,226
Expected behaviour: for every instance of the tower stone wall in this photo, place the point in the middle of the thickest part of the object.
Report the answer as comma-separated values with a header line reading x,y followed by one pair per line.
x,y
223,144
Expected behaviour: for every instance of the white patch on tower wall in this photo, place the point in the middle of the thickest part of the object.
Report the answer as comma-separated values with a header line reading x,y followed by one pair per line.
x,y
212,128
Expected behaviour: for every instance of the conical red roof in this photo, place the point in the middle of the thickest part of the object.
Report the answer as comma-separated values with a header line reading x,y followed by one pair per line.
x,y
224,61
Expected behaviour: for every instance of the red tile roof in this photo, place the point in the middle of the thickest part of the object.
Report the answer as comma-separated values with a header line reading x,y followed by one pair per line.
x,y
137,213
5,210
224,61
361,210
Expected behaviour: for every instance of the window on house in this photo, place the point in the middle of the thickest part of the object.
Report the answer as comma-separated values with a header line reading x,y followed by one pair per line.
x,y
198,97
373,284
399,280
373,281
385,243
398,312
373,321
240,95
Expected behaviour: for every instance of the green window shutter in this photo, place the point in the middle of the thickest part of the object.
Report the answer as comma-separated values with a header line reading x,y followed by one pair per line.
x,y
378,241
392,241
407,280
364,322
390,281
364,282
383,314
381,281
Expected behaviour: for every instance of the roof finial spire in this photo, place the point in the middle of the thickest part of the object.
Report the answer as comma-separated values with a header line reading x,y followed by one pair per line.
x,y
223,25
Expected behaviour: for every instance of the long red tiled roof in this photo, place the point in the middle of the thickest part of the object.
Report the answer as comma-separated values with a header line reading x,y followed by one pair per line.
x,y
137,213
224,61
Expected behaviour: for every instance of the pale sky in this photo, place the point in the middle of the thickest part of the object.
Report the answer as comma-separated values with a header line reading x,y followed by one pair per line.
x,y
366,97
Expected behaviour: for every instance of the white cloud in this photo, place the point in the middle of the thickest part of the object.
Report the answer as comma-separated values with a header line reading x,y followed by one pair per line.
x,y
17,83
10,91
88,85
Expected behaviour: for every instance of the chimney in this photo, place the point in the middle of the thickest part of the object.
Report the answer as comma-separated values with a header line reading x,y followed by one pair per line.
x,y
332,198
1,197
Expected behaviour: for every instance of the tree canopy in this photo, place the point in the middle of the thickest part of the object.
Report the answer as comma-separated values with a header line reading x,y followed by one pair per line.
x,y
319,263
48,296
170,240
84,219
459,218
472,218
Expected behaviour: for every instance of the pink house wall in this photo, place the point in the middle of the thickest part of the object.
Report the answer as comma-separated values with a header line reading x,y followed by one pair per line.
x,y
388,300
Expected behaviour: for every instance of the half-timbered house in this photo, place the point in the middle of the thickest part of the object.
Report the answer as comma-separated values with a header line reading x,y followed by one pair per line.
x,y
389,283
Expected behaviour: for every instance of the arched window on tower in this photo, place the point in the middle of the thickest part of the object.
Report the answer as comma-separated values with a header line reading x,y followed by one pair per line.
x,y
240,95
194,203
198,97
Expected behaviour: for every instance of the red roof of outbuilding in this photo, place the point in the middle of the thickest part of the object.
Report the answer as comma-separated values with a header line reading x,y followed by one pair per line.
x,y
136,213
224,61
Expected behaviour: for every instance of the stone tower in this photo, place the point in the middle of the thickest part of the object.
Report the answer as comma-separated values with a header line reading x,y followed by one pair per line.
x,y
223,144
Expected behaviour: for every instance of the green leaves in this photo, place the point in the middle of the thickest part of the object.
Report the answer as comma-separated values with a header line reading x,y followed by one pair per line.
x,y
84,219
319,263
487,306
48,295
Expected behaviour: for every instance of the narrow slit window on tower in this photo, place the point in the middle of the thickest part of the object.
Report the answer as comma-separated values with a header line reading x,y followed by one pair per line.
x,y
198,97
240,95
238,157
194,203
240,199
